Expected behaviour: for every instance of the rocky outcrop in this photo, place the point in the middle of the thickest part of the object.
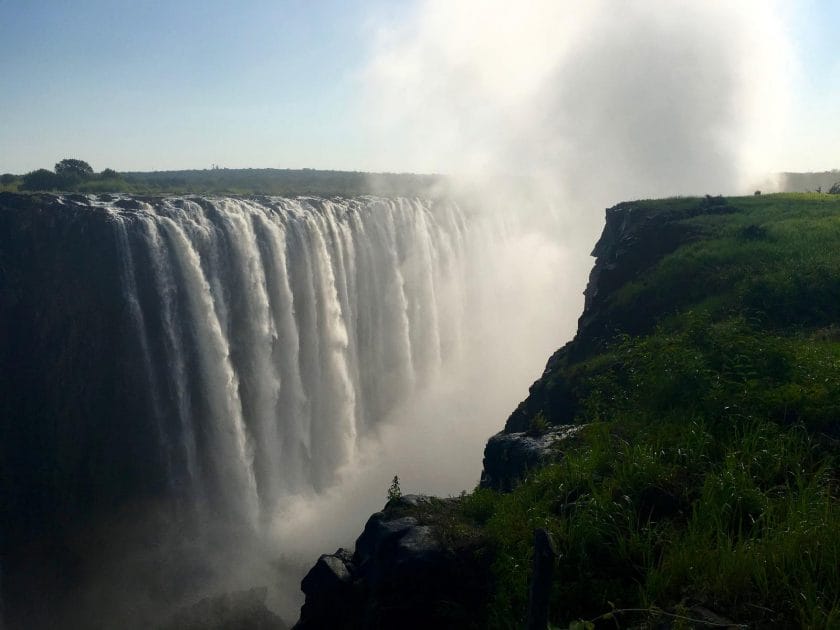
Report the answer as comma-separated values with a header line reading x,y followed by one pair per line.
x,y
400,575
636,236
508,457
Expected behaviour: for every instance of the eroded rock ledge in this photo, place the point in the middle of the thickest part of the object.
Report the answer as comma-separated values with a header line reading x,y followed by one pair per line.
x,y
401,575
508,457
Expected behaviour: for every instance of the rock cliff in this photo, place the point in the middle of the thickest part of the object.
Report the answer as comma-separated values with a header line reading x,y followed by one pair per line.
x,y
402,574
355,590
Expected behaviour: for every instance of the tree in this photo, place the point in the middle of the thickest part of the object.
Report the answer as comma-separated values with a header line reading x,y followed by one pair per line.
x,y
835,189
394,492
7,178
73,169
42,179
109,173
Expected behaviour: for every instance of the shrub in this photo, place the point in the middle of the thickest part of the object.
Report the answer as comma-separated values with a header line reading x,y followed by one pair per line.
x,y
42,179
538,424
394,491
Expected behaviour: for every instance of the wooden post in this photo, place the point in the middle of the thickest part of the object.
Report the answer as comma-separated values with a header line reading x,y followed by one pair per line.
x,y
545,555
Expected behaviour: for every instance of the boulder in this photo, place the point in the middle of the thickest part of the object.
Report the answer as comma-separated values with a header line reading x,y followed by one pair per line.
x,y
331,593
400,576
508,457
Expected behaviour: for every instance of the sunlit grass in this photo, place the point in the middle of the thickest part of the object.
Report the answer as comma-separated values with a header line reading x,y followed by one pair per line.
x,y
708,472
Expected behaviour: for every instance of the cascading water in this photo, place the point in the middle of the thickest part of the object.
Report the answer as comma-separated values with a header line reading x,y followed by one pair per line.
x,y
200,382
287,328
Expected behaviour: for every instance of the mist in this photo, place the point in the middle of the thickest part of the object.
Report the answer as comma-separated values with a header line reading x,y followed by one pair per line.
x,y
543,114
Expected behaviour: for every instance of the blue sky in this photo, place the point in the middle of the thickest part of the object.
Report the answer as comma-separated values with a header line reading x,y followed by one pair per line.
x,y
148,84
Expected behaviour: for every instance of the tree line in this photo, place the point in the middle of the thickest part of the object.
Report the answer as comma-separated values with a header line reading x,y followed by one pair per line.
x,y
67,174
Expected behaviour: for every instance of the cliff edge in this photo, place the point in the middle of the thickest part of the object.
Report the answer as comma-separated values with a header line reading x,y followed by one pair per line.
x,y
681,449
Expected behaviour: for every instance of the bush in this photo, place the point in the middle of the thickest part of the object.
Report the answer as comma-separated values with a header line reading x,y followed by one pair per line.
x,y
42,179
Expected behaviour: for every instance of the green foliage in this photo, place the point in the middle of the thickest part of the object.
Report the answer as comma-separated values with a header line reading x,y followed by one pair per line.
x,y
9,182
71,169
742,517
42,179
77,178
539,424
708,469
394,491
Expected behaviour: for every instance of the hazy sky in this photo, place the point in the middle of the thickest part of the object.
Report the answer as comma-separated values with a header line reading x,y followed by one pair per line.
x,y
149,84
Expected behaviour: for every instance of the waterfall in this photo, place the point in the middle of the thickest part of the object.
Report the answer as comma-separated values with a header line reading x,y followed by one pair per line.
x,y
276,334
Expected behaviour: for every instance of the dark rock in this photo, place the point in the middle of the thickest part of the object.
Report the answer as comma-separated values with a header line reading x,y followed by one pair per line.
x,y
409,501
128,204
542,576
633,240
400,576
331,597
378,532
240,610
329,573
636,237
509,456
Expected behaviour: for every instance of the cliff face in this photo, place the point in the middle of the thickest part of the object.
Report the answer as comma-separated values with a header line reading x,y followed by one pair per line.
x,y
706,321
376,585
635,237
62,318
174,368
73,436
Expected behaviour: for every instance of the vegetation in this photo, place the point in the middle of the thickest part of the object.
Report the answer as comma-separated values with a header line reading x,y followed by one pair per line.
x,y
77,176
707,473
73,169
394,491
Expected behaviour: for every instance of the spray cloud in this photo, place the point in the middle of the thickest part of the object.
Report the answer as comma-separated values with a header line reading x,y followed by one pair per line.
x,y
545,112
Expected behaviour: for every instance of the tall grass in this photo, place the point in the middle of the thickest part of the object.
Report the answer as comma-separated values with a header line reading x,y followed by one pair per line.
x,y
707,473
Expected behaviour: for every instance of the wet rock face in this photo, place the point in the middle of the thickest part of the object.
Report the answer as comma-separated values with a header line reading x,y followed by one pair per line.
x,y
399,576
508,457
75,438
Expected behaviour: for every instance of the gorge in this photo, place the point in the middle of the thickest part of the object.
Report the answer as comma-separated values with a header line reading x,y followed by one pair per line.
x,y
177,372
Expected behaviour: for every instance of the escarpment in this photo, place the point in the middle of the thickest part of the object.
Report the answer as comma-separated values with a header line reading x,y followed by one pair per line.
x,y
659,445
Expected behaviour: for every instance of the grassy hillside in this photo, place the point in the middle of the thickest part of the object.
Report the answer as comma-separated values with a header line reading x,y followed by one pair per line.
x,y
709,381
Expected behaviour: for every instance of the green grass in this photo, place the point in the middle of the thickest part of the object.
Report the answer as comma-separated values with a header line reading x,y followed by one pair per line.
x,y
743,519
708,472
